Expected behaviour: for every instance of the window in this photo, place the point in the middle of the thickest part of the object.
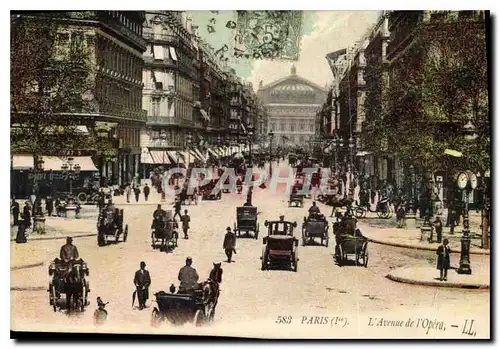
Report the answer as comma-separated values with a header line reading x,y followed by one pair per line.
x,y
76,40
311,127
158,52
273,126
292,127
156,107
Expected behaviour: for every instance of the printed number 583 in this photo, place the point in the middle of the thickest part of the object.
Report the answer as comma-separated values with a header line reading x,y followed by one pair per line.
x,y
284,320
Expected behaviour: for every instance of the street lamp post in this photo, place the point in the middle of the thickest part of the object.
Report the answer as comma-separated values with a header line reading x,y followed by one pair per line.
x,y
411,214
38,219
271,135
351,165
335,143
250,135
71,172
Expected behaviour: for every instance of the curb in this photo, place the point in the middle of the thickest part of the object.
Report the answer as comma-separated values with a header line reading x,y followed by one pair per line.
x,y
437,284
27,266
33,288
485,253
60,237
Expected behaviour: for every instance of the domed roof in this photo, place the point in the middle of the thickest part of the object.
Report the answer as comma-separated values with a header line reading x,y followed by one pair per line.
x,y
289,87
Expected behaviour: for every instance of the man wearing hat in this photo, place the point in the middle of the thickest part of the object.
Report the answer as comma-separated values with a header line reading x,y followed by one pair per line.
x,y
188,277
69,252
142,280
229,244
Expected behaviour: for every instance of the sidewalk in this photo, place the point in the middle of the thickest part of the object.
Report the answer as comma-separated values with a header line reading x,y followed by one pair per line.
x,y
60,228
410,238
428,276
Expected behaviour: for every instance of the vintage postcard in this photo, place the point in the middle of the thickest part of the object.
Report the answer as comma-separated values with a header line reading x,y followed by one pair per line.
x,y
253,174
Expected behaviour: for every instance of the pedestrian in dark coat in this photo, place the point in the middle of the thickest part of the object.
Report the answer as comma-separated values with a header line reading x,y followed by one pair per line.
x,y
142,280
146,191
185,224
443,259
229,244
177,208
49,205
15,211
27,214
137,192
21,233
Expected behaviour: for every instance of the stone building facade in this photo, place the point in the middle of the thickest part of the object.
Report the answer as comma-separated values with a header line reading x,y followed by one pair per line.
x,y
292,104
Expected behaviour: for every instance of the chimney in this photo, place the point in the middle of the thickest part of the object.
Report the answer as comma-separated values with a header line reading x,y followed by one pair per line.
x,y
294,70
261,83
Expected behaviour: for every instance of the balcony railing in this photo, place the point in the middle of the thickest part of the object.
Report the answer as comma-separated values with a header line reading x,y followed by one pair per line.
x,y
161,38
168,120
167,62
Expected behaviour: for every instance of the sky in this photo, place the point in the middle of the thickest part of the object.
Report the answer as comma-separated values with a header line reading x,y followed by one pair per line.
x,y
322,32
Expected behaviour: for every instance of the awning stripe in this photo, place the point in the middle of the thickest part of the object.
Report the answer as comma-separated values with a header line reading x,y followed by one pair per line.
x,y
214,154
174,157
160,157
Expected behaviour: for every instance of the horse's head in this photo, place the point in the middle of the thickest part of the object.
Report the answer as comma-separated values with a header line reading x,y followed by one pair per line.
x,y
216,273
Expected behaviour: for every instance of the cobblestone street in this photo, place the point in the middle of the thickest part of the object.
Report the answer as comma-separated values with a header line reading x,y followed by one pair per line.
x,y
248,295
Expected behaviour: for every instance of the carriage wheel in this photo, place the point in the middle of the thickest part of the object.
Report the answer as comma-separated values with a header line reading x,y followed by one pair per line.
x,y
83,300
125,233
340,257
54,299
383,214
391,212
155,318
359,212
295,261
365,255
264,260
199,318
81,198
100,239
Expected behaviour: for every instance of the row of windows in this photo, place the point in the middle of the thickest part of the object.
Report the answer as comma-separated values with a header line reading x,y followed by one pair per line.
x,y
117,98
132,26
131,136
184,87
116,58
184,110
293,127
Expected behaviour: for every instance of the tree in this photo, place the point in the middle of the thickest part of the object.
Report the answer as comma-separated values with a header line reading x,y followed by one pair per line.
x,y
51,80
435,87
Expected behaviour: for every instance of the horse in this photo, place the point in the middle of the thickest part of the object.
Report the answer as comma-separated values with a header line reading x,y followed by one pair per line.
x,y
75,287
210,287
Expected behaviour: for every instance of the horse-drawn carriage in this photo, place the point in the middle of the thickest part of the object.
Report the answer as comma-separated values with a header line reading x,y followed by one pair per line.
x,y
210,191
296,199
163,230
350,241
69,279
315,227
110,224
292,159
280,246
246,221
197,306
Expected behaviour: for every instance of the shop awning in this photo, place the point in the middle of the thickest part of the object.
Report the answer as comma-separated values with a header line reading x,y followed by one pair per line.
x,y
213,153
176,159
160,157
195,155
205,115
187,157
221,151
55,163
200,154
22,162
146,157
